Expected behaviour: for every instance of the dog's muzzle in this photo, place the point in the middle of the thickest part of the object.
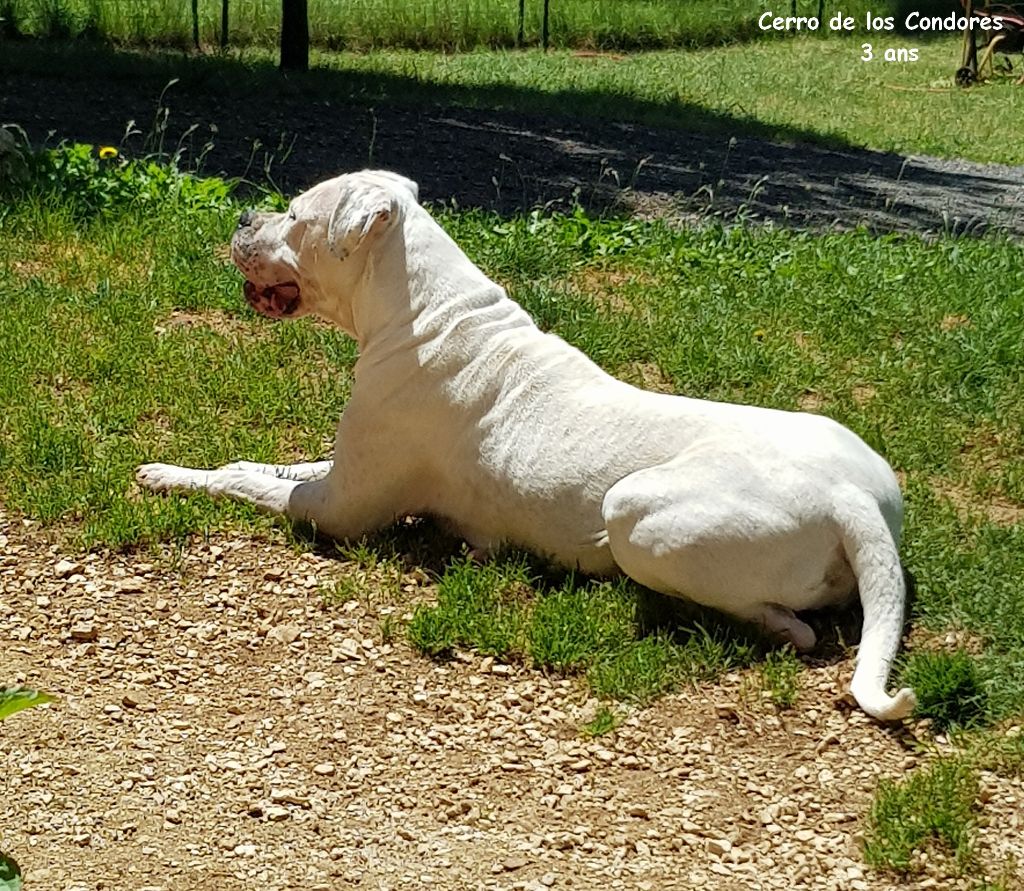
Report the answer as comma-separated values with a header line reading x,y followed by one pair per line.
x,y
274,301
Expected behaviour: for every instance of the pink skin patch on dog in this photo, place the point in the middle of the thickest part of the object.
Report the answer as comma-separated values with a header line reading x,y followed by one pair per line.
x,y
276,301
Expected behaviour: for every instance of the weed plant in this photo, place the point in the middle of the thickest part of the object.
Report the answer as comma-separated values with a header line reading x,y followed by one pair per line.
x,y
934,809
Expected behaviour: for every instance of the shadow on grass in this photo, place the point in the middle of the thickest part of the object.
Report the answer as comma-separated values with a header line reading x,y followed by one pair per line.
x,y
500,147
426,545
412,543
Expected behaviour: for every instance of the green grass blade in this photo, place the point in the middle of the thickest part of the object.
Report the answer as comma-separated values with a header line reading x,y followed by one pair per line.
x,y
14,699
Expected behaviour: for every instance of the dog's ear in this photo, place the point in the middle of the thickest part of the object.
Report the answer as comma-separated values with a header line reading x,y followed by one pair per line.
x,y
363,211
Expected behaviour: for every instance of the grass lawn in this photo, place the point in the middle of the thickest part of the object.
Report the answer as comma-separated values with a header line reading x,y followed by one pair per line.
x,y
124,339
804,88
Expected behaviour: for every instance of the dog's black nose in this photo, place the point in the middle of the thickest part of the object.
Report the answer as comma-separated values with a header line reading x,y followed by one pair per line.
x,y
245,220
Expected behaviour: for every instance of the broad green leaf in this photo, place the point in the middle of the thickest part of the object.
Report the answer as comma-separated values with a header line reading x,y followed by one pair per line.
x,y
14,699
10,874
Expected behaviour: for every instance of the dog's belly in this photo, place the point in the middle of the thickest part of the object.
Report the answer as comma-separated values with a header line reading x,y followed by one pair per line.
x,y
580,546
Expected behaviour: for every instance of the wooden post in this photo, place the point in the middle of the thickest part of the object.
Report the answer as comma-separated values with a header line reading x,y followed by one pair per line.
x,y
971,55
544,33
294,35
522,23
224,24
195,23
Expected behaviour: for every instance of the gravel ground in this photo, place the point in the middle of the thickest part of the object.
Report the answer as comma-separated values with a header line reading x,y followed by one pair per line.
x,y
218,726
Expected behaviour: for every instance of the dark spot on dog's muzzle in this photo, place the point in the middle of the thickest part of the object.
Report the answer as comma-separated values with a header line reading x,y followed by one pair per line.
x,y
245,220
276,301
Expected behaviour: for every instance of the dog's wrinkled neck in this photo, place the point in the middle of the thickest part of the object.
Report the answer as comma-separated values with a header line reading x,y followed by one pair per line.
x,y
380,293
416,286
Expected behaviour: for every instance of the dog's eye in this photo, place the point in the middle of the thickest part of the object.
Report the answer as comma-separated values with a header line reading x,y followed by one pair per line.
x,y
291,215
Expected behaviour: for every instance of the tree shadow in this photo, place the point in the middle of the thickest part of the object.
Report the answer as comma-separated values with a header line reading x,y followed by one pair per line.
x,y
499,147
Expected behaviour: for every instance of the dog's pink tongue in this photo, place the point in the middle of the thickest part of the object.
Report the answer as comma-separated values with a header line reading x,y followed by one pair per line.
x,y
284,298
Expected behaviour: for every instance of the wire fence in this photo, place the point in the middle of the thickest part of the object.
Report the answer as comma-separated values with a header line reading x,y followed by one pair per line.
x,y
374,24
225,20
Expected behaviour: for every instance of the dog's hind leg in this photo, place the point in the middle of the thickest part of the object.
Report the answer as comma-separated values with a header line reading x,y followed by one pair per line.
x,y
758,550
694,534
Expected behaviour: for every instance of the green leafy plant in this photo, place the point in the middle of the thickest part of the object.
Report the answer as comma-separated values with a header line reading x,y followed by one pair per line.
x,y
780,677
91,180
10,874
605,721
949,688
14,699
935,806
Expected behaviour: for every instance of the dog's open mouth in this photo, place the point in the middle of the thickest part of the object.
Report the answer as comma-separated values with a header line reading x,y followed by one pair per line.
x,y
277,301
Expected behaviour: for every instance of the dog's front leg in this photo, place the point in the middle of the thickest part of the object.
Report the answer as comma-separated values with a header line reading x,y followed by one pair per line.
x,y
303,472
334,507
266,490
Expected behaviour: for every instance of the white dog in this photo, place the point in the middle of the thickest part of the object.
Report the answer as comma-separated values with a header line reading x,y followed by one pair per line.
x,y
463,409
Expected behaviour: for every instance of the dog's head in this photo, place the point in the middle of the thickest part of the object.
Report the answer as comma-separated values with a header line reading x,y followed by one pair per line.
x,y
303,261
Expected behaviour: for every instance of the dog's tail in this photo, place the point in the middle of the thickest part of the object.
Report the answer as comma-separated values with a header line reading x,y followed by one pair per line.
x,y
871,552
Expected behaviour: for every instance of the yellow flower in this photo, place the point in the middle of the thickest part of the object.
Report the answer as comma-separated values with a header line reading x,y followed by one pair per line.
x,y
108,151
760,334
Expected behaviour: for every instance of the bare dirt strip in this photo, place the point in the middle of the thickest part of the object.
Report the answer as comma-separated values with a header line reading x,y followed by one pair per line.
x,y
220,726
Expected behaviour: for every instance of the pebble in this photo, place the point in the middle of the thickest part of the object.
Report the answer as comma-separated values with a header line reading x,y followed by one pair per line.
x,y
718,846
284,634
349,648
131,586
84,631
64,568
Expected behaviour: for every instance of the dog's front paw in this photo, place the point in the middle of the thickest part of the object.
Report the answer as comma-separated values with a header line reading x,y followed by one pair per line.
x,y
167,478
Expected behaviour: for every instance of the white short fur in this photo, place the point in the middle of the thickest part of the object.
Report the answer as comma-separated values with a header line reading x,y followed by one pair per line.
x,y
463,409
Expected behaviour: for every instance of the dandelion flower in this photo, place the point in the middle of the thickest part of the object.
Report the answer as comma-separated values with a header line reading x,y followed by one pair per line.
x,y
108,151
